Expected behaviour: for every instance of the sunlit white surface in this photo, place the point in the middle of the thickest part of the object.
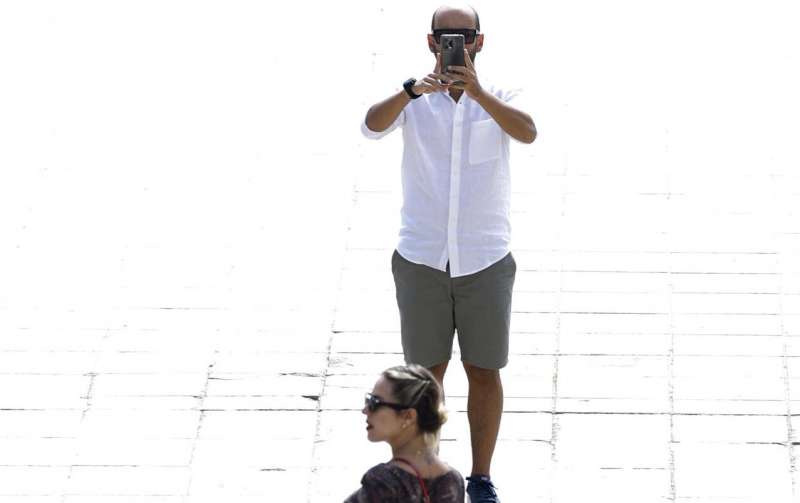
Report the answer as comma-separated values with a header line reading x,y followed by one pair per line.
x,y
196,239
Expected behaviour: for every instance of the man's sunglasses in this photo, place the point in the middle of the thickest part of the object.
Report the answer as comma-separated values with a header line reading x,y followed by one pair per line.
x,y
469,34
373,403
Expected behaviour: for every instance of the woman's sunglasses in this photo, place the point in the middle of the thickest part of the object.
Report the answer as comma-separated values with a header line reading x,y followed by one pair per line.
x,y
469,34
373,403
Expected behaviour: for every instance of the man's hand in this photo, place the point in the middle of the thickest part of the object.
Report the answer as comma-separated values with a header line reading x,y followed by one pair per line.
x,y
433,82
467,75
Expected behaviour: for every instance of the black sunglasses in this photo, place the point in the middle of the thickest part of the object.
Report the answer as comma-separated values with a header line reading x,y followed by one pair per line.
x,y
469,34
373,403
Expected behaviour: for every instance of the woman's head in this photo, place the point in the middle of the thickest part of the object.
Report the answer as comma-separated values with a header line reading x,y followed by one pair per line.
x,y
405,401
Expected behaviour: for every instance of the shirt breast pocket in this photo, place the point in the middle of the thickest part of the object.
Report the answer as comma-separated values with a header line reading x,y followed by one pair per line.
x,y
484,142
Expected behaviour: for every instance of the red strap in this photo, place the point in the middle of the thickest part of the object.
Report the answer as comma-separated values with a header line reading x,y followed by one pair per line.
x,y
426,498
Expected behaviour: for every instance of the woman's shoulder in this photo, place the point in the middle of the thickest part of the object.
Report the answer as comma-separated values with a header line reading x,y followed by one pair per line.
x,y
453,476
379,469
387,472
388,482
454,473
378,484
447,487
445,471
382,472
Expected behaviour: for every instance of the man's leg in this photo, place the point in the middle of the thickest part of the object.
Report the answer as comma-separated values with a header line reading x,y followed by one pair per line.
x,y
483,319
426,312
438,372
484,410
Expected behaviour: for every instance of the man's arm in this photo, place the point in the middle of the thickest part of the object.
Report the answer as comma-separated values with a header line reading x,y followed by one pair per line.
x,y
381,115
516,123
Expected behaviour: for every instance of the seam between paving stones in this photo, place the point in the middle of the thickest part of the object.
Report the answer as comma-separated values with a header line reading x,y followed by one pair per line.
x,y
317,425
671,379
92,374
787,382
332,331
555,424
202,410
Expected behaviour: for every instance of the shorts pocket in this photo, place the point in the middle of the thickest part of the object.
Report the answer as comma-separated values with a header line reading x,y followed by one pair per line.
x,y
484,142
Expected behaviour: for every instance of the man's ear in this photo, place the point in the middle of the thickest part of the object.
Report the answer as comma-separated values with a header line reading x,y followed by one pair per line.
x,y
479,42
431,44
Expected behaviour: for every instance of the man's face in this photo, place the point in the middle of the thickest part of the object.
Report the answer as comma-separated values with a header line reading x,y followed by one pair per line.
x,y
470,39
456,22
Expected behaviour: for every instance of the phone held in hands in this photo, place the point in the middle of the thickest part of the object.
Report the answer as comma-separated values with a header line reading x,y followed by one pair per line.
x,y
452,52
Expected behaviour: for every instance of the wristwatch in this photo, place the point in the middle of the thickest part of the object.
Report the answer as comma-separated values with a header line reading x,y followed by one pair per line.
x,y
407,85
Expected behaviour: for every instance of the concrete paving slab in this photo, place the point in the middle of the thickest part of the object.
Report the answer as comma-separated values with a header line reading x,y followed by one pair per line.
x,y
610,323
586,344
138,481
289,383
20,452
729,429
732,471
241,425
262,452
260,403
249,484
730,345
43,391
612,441
146,402
117,385
44,423
132,451
32,481
650,485
28,498
99,425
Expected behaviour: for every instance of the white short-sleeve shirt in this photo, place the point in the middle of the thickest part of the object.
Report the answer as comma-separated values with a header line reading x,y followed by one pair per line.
x,y
456,182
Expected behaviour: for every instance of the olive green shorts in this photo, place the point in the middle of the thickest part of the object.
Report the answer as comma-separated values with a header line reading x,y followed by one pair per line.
x,y
434,306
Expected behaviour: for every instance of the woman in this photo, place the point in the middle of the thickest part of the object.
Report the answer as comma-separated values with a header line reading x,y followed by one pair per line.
x,y
405,410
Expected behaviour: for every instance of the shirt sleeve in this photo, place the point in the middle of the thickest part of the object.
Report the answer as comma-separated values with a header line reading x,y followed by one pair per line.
x,y
376,135
519,99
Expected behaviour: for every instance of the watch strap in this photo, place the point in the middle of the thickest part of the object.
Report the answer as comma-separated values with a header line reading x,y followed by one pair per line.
x,y
408,86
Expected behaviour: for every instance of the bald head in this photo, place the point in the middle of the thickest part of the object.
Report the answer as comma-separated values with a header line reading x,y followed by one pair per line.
x,y
448,16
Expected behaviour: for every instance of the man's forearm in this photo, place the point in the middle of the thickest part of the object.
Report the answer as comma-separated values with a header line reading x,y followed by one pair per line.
x,y
381,115
515,122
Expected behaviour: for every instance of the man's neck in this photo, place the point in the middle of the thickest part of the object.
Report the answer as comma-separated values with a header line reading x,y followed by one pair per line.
x,y
456,93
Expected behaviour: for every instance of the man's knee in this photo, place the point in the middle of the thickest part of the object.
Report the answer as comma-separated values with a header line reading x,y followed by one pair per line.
x,y
480,375
438,371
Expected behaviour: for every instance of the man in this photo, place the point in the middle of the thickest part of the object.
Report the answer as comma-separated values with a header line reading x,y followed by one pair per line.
x,y
452,268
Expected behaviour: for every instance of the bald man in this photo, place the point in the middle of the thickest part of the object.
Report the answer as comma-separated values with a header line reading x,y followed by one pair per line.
x,y
452,268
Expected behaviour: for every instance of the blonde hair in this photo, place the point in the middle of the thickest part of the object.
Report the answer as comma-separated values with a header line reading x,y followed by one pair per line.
x,y
414,385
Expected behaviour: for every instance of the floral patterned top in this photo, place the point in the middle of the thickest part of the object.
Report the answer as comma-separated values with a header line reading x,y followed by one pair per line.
x,y
388,483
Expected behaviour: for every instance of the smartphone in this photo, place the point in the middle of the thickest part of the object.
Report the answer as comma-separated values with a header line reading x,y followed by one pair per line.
x,y
452,52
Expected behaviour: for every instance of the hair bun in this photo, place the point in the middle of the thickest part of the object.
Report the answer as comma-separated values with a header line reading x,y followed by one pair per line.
x,y
442,415
417,387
